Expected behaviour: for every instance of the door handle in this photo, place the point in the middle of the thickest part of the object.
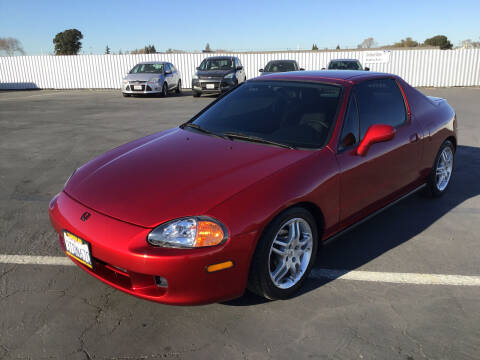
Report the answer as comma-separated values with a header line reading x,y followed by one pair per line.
x,y
414,138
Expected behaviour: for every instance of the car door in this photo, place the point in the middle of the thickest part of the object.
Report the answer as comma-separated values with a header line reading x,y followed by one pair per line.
x,y
176,75
168,75
389,167
240,73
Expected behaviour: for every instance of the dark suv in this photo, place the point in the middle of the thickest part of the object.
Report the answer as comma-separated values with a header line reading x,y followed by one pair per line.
x,y
217,74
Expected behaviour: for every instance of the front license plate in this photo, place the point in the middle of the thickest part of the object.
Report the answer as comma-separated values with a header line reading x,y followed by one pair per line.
x,y
210,86
137,87
78,249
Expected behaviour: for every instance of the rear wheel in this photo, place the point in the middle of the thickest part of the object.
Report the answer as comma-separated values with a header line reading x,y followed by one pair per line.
x,y
196,94
164,90
442,170
284,255
178,90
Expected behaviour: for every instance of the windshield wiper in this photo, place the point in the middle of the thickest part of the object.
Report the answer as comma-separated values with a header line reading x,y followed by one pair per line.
x,y
201,129
232,136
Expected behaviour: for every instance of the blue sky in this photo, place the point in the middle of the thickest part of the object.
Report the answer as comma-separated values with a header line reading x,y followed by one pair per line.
x,y
235,25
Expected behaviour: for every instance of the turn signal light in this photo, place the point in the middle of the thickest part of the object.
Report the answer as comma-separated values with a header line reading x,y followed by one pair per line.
x,y
209,233
220,266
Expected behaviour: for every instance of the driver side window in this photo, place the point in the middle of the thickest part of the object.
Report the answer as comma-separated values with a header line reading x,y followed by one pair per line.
x,y
351,125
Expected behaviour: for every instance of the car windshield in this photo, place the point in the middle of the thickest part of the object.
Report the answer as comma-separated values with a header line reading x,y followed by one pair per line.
x,y
147,69
216,64
281,66
285,112
344,65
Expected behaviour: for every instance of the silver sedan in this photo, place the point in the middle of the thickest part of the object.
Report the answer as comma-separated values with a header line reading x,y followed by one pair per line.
x,y
153,77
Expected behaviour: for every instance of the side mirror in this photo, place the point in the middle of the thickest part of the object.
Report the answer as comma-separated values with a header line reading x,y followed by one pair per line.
x,y
168,72
375,134
366,69
261,70
302,69
239,67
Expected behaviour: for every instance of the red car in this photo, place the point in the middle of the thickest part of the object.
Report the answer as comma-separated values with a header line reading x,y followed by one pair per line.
x,y
244,194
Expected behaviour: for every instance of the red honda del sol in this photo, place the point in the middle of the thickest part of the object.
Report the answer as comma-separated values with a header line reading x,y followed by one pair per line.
x,y
243,195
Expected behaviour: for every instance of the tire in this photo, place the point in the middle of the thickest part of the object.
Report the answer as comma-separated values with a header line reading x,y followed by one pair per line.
x,y
438,180
299,253
125,95
196,94
164,90
178,90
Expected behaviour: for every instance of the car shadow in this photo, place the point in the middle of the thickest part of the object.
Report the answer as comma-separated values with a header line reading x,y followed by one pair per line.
x,y
368,241
18,86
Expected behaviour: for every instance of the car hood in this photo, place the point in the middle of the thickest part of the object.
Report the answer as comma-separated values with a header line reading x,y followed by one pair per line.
x,y
214,73
173,174
141,77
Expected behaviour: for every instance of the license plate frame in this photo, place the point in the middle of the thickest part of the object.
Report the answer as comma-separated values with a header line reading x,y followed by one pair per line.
x,y
137,87
78,249
210,86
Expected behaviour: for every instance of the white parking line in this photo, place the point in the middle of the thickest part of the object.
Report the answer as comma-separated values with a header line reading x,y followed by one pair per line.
x,y
397,278
35,260
330,274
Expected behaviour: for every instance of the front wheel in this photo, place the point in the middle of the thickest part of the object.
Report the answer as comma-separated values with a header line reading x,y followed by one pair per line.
x,y
178,90
442,170
164,90
196,94
284,255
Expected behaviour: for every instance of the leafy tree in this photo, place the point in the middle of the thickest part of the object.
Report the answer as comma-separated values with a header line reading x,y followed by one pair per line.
x,y
120,52
408,42
368,43
439,40
68,42
107,50
10,46
338,47
314,47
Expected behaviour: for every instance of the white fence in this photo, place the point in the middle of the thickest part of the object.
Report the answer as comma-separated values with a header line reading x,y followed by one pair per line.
x,y
438,68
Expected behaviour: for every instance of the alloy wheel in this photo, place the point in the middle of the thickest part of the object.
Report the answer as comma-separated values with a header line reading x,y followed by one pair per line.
x,y
443,172
290,253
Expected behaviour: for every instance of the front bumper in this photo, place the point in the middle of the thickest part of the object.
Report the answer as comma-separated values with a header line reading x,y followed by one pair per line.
x,y
123,259
213,86
145,88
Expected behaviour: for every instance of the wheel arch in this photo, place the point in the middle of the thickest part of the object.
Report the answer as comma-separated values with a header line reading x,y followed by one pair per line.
x,y
453,140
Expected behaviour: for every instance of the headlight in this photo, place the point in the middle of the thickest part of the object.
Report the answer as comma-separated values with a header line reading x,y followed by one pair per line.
x,y
125,81
191,232
66,182
195,76
229,76
153,80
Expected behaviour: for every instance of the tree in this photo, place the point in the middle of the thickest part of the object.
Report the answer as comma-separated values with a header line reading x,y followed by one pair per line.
x,y
338,47
207,48
368,43
68,42
10,46
408,42
439,40
314,47
150,49
107,50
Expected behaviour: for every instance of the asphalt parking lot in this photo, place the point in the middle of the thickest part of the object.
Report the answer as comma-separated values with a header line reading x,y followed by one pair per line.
x,y
58,311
